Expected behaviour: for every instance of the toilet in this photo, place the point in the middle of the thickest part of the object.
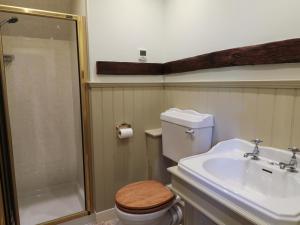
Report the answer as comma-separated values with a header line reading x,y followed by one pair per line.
x,y
149,202
145,202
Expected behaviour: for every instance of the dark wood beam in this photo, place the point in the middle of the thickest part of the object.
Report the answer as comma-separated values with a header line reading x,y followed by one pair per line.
x,y
287,51
129,68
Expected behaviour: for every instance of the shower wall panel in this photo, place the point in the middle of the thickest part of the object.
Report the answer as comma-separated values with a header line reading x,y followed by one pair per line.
x,y
46,124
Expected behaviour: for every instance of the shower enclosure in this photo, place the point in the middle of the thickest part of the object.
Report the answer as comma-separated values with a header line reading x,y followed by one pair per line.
x,y
45,102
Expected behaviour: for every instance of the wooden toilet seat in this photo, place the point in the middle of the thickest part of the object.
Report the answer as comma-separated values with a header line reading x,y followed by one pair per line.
x,y
144,197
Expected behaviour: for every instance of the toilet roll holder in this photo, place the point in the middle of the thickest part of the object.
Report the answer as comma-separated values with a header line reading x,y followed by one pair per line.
x,y
123,125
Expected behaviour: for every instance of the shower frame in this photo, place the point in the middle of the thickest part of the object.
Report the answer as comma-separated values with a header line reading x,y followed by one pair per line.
x,y
85,106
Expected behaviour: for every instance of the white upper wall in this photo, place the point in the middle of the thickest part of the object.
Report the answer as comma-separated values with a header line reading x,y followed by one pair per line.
x,y
118,28
194,27
176,29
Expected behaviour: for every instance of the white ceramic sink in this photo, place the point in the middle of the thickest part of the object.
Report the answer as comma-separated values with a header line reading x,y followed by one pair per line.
x,y
259,186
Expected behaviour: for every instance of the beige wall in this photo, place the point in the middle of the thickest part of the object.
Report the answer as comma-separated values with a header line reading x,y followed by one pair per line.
x,y
272,114
119,162
78,7
38,27
267,113
50,5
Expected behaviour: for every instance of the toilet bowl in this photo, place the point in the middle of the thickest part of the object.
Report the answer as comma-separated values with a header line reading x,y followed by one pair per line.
x,y
157,218
147,203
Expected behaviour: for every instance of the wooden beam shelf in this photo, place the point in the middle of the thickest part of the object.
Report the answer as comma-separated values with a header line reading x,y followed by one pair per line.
x,y
129,68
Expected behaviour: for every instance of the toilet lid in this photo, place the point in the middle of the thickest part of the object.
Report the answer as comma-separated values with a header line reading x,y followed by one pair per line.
x,y
143,195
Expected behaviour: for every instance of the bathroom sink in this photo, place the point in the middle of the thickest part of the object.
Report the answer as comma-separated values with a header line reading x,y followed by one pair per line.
x,y
259,186
251,177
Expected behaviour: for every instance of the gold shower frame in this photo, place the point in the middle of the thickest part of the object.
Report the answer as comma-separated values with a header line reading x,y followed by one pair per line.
x,y
85,105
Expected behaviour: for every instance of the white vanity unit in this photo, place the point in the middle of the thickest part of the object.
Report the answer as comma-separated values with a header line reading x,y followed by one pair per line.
x,y
224,186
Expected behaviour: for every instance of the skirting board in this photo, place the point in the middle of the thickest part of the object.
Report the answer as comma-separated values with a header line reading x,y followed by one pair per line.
x,y
94,218
86,220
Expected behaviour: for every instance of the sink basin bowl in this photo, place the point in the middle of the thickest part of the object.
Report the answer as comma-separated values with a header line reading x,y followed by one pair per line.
x,y
258,186
245,175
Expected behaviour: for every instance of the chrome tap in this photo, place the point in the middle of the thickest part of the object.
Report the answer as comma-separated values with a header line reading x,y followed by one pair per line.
x,y
255,152
292,165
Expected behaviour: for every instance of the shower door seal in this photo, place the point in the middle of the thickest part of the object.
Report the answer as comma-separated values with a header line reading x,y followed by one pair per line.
x,y
84,95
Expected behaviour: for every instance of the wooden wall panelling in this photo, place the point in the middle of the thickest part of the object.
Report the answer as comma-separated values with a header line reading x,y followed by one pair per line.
x,y
161,97
265,113
148,108
129,118
202,96
283,118
170,100
194,99
223,130
248,114
119,162
296,121
121,151
153,107
168,97
139,167
213,108
108,146
188,98
235,112
97,140
180,95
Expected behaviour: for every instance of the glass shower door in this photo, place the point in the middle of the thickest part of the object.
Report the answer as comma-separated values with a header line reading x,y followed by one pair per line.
x,y
43,92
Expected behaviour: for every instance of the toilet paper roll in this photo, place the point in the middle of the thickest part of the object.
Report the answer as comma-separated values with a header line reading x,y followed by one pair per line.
x,y
125,133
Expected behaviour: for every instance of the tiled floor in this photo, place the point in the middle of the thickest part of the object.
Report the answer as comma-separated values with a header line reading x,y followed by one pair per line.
x,y
110,222
50,204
